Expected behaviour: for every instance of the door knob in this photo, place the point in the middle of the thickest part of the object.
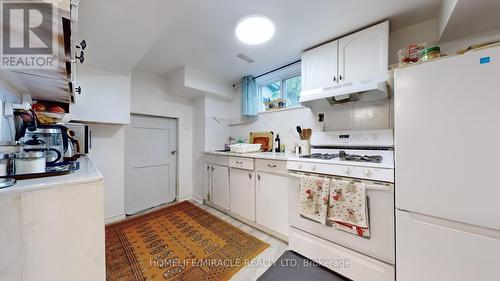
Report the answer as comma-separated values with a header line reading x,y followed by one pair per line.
x,y
173,152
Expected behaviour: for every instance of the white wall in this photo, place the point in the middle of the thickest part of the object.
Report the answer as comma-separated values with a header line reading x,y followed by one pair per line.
x,y
149,96
107,154
105,96
218,115
427,32
453,46
424,32
353,116
198,147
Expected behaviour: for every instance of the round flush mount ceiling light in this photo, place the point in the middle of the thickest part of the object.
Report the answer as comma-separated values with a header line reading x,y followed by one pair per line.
x,y
255,30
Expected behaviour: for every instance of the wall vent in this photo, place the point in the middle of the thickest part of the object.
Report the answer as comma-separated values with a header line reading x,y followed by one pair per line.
x,y
245,58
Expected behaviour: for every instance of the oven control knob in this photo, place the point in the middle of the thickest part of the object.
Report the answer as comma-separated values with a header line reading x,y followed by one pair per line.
x,y
347,171
368,172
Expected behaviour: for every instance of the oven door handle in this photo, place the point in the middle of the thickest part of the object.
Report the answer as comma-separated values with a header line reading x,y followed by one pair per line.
x,y
368,186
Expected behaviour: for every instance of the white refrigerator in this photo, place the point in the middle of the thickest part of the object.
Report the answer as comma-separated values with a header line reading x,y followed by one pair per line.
x,y
447,146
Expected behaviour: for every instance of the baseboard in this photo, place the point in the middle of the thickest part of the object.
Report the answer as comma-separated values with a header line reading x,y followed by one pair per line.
x,y
184,198
114,219
197,199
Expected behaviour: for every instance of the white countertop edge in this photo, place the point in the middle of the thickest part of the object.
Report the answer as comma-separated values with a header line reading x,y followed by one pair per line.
x,y
256,155
87,174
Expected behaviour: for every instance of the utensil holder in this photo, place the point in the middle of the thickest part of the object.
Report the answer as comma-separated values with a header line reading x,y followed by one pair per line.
x,y
305,147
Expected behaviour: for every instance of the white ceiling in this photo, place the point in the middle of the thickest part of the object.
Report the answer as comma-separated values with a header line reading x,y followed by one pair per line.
x,y
159,36
119,32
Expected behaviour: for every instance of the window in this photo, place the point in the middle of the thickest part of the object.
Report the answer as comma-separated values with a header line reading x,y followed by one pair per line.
x,y
286,89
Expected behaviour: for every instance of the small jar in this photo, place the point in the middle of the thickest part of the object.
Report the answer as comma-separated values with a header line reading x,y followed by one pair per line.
x,y
30,162
6,161
431,53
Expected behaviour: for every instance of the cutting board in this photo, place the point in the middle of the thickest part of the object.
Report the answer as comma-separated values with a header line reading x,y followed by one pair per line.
x,y
264,138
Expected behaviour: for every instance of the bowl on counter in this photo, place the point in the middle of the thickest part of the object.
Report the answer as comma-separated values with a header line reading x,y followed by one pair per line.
x,y
245,147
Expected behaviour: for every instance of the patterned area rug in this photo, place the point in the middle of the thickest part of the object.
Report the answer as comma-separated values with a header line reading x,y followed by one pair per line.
x,y
179,242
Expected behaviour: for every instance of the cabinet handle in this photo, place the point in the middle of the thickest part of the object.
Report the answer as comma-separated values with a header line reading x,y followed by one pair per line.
x,y
258,177
334,78
208,168
250,175
239,162
271,166
81,58
212,169
78,90
82,45
340,77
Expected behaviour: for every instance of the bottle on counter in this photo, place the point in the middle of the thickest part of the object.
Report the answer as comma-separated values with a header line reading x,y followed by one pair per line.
x,y
277,143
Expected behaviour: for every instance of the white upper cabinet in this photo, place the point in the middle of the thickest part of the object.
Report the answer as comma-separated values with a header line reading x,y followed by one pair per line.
x,y
352,58
364,53
104,98
54,83
320,67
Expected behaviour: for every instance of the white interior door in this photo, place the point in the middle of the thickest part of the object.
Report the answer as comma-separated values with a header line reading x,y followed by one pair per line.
x,y
150,162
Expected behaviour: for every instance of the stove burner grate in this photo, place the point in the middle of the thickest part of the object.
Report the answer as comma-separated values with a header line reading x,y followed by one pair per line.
x,y
358,158
322,156
343,156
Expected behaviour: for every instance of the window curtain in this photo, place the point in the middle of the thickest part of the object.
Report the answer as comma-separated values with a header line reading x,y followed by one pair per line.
x,y
249,97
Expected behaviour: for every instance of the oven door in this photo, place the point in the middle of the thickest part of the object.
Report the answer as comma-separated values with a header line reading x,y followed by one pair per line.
x,y
379,245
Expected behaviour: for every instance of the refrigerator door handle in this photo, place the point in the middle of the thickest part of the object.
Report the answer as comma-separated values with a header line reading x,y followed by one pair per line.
x,y
455,226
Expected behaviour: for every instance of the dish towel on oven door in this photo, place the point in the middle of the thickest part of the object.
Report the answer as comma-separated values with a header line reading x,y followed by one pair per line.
x,y
348,210
314,193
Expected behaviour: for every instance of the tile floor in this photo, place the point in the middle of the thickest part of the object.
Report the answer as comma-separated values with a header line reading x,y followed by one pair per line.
x,y
265,259
260,263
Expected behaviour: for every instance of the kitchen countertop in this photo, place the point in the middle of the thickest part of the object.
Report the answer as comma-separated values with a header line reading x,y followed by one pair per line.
x,y
257,155
86,174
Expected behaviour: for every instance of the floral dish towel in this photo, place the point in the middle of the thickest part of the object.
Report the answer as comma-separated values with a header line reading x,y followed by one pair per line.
x,y
314,193
348,210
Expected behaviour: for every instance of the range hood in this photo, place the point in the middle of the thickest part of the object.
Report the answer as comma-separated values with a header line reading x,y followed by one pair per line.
x,y
374,88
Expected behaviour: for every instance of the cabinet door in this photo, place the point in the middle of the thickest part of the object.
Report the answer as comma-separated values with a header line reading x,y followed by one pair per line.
x,y
65,225
320,67
364,53
105,96
242,193
220,186
11,260
207,183
271,201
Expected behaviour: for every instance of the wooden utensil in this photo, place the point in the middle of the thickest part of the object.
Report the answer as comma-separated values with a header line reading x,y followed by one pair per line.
x,y
306,133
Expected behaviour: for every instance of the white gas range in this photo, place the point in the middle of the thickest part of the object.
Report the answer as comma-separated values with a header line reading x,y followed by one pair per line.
x,y
359,156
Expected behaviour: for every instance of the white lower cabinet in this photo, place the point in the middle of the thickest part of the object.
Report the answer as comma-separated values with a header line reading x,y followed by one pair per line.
x,y
220,186
53,233
216,185
271,198
242,193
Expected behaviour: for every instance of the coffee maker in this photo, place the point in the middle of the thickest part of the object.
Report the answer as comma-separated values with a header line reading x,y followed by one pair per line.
x,y
53,139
